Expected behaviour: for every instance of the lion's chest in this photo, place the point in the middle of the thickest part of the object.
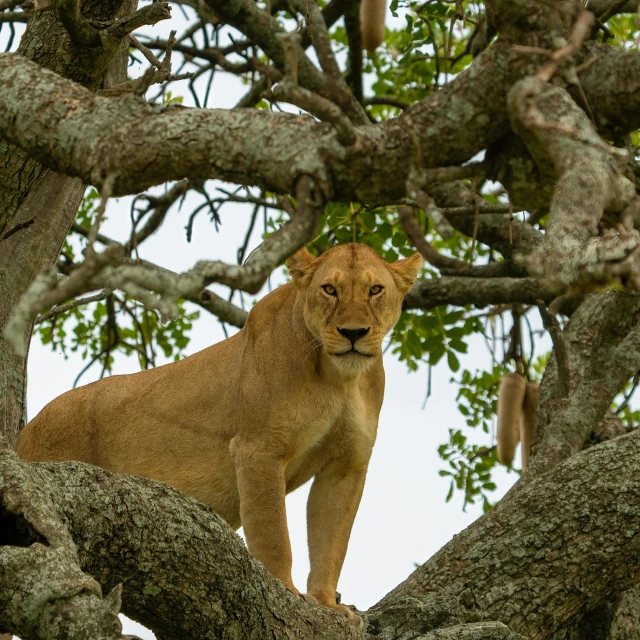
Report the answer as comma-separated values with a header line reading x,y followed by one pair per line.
x,y
311,422
320,432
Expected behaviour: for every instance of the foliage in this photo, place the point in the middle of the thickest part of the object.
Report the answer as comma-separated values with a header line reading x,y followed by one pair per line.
x,y
100,330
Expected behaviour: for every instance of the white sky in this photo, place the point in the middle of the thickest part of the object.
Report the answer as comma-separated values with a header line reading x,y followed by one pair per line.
x,y
403,518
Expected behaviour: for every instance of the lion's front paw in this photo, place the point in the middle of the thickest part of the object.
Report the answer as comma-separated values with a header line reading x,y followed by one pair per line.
x,y
347,611
292,588
339,608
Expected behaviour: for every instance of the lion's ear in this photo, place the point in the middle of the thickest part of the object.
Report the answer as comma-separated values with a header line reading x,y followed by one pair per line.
x,y
406,271
300,264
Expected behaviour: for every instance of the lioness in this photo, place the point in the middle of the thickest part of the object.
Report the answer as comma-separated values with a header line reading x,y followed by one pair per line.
x,y
295,394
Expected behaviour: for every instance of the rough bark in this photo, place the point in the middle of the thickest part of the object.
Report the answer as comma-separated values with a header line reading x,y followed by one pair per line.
x,y
185,572
44,595
554,546
52,203
602,340
142,145
479,292
509,566
47,43
588,176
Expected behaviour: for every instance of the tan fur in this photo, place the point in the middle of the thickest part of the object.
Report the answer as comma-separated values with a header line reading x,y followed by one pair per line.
x,y
372,14
510,399
242,423
529,407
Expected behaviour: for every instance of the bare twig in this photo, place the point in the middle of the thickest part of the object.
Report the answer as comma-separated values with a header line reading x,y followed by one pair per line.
x,y
148,15
158,73
147,53
72,305
424,247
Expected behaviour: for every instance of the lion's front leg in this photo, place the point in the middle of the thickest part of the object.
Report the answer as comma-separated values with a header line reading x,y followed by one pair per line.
x,y
331,509
261,487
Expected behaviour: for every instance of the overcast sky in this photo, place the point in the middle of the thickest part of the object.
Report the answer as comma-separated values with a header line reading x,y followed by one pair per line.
x,y
403,518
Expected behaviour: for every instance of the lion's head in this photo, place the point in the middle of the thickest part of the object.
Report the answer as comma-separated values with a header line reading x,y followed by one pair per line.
x,y
351,299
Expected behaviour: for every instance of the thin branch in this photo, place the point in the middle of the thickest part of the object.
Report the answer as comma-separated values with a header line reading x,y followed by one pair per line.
x,y
392,101
205,299
425,248
148,15
147,53
13,16
550,323
615,7
318,106
73,305
319,36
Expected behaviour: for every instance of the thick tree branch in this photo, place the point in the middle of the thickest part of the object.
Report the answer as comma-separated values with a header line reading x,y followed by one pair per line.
x,y
603,353
150,14
133,531
33,544
504,567
552,548
589,176
269,149
610,77
52,205
81,31
480,292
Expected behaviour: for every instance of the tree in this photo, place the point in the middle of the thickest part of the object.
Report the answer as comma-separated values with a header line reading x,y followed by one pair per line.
x,y
544,222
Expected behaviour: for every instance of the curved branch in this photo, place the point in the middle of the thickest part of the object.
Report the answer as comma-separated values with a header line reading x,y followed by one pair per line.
x,y
603,344
206,299
589,176
610,77
554,547
544,554
80,30
133,531
261,28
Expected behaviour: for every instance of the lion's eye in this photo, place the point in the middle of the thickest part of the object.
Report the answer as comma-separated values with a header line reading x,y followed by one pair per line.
x,y
331,290
375,290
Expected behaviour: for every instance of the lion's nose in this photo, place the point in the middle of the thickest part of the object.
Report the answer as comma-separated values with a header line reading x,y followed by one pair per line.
x,y
353,335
